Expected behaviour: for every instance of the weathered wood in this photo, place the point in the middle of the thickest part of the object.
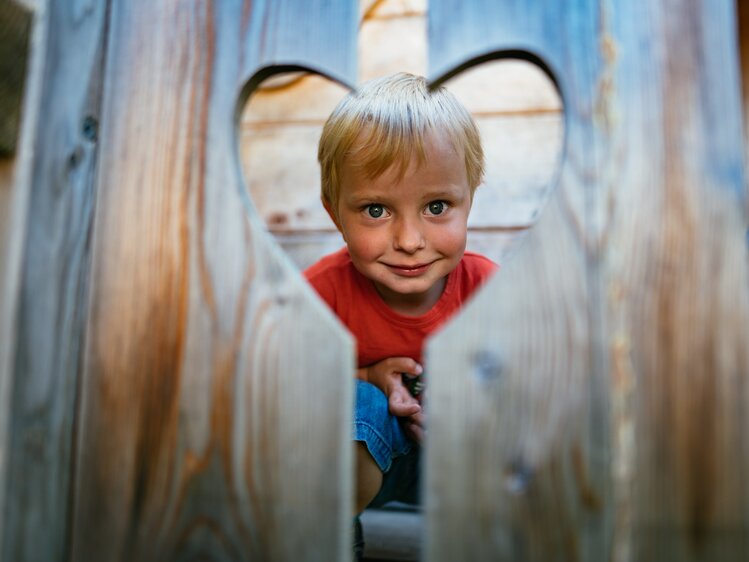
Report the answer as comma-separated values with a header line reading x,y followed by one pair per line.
x,y
15,181
677,267
15,186
50,311
15,33
409,46
216,396
591,403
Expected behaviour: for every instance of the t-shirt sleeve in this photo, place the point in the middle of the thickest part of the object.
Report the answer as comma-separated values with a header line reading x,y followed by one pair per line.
x,y
480,267
477,270
321,282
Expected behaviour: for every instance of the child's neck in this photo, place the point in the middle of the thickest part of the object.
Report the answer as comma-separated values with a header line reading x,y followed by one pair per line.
x,y
412,304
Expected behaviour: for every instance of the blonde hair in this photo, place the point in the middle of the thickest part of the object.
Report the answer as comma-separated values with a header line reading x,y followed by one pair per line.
x,y
384,123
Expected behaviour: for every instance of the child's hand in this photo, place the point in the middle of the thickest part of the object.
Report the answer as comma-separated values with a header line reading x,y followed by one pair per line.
x,y
414,427
387,376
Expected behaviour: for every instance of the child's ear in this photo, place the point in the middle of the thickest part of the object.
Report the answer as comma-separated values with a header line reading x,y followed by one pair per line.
x,y
331,214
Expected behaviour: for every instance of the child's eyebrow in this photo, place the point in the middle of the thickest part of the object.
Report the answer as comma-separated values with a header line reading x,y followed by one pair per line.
x,y
443,194
366,198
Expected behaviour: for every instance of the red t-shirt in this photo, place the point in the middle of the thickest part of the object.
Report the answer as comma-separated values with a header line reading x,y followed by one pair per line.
x,y
381,332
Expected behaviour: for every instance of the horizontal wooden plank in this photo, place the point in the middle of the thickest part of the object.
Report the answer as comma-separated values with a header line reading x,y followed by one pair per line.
x,y
308,99
523,158
283,176
395,8
392,45
505,86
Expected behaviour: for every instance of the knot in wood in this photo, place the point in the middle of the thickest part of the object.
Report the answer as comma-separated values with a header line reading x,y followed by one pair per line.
x,y
518,476
90,128
75,158
487,365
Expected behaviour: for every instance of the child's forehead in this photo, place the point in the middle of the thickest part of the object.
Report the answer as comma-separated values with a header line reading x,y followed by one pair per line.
x,y
439,160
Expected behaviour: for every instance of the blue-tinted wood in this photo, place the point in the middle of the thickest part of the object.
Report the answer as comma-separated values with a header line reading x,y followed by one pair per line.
x,y
591,403
51,310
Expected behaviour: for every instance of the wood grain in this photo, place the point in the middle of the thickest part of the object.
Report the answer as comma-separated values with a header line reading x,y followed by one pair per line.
x,y
679,267
49,312
591,403
216,396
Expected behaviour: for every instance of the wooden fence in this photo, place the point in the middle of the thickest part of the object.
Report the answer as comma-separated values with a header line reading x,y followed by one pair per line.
x,y
171,389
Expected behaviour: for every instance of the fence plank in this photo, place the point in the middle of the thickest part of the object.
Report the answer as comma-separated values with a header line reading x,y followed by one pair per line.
x,y
590,404
679,305
50,311
516,388
216,395
15,185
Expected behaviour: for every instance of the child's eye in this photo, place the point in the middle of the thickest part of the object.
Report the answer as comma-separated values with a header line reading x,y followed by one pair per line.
x,y
375,211
437,207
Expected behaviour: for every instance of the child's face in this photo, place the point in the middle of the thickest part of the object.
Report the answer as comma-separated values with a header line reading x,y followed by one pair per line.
x,y
407,234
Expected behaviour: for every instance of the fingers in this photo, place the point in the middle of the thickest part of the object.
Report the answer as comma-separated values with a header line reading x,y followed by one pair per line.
x,y
404,365
414,427
417,418
403,410
389,371
416,433
402,404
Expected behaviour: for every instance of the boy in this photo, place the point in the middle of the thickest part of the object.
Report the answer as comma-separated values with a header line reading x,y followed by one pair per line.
x,y
399,167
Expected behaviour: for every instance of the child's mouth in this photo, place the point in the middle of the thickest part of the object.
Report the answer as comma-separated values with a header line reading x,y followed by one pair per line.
x,y
409,270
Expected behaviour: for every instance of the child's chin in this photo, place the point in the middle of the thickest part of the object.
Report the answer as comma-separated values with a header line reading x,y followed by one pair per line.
x,y
411,287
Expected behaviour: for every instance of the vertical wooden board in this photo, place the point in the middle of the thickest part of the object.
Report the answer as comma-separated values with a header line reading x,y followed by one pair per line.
x,y
677,262
507,400
518,447
50,311
216,396
647,281
15,187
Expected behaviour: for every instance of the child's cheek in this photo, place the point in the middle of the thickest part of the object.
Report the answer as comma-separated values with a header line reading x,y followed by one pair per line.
x,y
365,247
450,240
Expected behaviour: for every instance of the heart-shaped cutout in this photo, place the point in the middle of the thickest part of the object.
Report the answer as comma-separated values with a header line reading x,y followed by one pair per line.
x,y
514,103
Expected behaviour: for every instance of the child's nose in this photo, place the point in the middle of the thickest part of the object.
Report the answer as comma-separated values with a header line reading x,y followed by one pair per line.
x,y
408,236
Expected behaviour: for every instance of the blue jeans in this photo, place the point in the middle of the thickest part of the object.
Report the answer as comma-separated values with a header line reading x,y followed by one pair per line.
x,y
397,456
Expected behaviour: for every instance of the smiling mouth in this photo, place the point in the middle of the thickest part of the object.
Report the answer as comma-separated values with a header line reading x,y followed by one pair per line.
x,y
409,270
